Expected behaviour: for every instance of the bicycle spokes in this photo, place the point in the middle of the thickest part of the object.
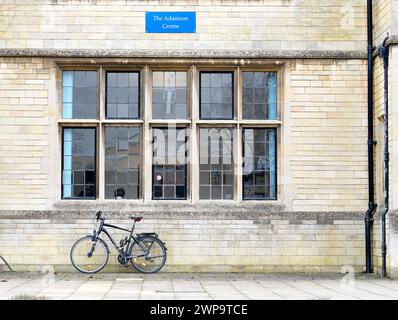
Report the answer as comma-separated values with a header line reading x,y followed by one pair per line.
x,y
88,256
148,255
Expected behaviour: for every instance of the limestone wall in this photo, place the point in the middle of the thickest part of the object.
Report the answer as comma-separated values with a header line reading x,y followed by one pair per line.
x,y
221,24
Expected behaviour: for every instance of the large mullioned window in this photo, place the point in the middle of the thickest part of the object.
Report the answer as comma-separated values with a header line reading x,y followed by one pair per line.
x,y
184,134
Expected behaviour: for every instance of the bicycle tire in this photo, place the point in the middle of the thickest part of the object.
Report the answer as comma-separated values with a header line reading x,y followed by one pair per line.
x,y
102,266
134,261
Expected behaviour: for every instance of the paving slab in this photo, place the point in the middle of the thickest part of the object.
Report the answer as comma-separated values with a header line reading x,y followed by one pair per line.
x,y
189,286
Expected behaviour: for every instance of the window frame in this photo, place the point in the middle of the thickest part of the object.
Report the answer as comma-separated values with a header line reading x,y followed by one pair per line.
x,y
106,71
59,86
277,74
187,167
63,128
233,149
276,163
149,86
140,176
217,71
188,95
193,123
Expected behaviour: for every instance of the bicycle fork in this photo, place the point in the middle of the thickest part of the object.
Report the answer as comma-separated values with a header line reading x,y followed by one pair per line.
x,y
90,253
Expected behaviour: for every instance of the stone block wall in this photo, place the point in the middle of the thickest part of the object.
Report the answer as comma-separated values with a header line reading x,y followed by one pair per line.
x,y
327,126
26,106
199,242
221,25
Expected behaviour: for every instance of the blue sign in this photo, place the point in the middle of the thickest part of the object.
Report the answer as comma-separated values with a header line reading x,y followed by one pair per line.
x,y
170,22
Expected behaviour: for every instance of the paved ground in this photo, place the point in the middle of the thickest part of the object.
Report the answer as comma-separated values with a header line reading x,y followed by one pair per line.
x,y
194,286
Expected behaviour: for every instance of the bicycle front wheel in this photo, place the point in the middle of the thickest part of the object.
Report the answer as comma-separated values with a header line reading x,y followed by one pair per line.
x,y
88,256
148,255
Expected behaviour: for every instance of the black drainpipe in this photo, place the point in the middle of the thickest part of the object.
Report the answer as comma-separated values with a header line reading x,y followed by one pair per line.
x,y
384,54
371,143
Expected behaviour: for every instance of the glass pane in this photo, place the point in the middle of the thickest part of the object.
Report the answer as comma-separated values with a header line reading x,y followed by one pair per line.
x,y
78,166
216,192
204,192
122,162
228,192
132,192
122,95
79,94
216,95
169,164
259,95
169,95
216,169
259,171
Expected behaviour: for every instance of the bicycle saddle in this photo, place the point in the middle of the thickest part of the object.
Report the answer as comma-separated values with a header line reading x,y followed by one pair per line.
x,y
136,219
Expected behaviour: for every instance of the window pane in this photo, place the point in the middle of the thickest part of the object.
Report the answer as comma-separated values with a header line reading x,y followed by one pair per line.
x,y
122,95
216,95
169,95
78,167
169,164
259,170
259,95
122,162
79,94
216,168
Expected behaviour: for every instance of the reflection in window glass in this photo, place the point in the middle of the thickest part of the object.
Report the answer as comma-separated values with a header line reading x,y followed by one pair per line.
x,y
122,95
216,164
122,162
259,96
169,179
169,95
259,171
79,94
78,166
216,98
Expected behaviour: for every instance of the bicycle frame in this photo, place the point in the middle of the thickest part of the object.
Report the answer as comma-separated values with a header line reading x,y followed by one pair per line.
x,y
129,243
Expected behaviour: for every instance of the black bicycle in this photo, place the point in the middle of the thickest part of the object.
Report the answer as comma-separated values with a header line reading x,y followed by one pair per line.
x,y
145,251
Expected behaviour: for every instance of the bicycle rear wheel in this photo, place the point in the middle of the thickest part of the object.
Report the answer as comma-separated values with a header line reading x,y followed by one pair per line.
x,y
150,259
88,256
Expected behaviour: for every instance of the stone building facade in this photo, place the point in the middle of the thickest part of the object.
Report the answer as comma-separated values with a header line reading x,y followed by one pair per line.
x,y
64,65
